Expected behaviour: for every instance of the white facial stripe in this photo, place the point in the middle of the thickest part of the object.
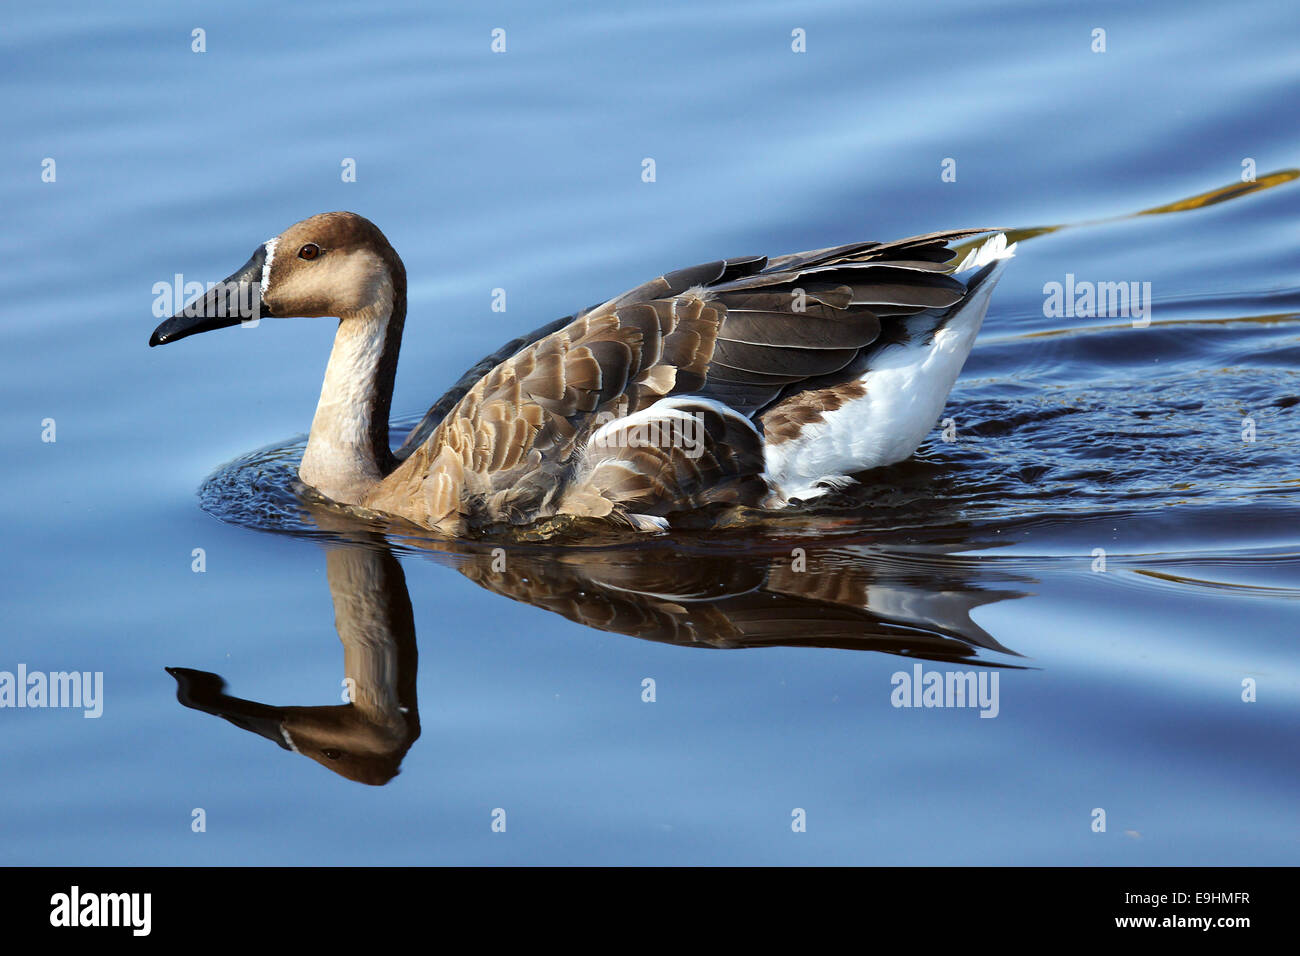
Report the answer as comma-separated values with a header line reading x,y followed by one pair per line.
x,y
266,266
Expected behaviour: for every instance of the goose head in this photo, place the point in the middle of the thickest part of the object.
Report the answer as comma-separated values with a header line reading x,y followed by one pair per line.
x,y
339,264
332,264
360,745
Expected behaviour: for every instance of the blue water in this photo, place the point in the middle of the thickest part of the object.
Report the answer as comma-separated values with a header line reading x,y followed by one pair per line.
x,y
1119,689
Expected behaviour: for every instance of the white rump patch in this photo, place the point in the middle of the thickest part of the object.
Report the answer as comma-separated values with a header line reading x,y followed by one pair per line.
x,y
907,385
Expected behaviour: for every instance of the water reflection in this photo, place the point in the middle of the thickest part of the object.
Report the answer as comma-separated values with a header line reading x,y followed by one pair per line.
x,y
365,738
846,597
766,593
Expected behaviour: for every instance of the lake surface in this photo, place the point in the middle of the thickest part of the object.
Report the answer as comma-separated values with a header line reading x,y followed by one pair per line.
x,y
1110,525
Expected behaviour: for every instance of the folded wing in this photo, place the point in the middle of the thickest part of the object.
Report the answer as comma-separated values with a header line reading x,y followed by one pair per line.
x,y
736,335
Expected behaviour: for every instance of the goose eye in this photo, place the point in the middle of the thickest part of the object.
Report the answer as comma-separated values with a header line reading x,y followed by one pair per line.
x,y
309,251
332,754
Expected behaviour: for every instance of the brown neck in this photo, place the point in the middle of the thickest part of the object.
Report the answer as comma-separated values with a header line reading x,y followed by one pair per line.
x,y
347,452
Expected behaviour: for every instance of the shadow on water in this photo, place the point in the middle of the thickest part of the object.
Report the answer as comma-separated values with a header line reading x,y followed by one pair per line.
x,y
1064,436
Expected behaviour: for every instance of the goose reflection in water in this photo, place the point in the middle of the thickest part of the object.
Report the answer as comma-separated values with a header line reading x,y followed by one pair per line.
x,y
767,593
366,738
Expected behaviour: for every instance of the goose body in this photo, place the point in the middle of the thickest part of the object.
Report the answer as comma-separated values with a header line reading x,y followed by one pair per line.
x,y
747,381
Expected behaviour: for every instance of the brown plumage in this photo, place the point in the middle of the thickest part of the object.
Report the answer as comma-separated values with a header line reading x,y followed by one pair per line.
x,y
746,350
742,331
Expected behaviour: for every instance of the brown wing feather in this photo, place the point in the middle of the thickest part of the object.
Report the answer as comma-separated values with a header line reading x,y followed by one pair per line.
x,y
688,455
507,450
741,331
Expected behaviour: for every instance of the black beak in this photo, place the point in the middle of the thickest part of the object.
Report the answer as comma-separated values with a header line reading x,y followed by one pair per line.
x,y
205,691
232,301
